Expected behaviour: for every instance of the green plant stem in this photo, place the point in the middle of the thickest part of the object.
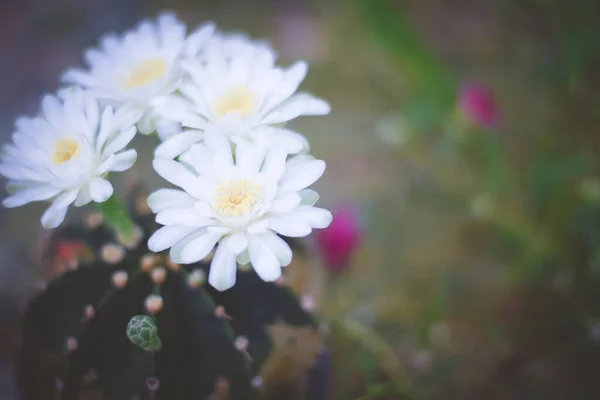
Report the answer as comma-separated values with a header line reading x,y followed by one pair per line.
x,y
116,215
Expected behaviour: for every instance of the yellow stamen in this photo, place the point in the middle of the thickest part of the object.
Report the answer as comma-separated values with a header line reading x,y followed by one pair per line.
x,y
65,150
145,73
236,198
238,99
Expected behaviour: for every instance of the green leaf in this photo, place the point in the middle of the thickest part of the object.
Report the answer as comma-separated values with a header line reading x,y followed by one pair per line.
x,y
395,35
117,216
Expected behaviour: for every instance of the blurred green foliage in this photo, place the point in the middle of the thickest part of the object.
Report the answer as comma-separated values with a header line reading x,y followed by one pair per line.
x,y
518,234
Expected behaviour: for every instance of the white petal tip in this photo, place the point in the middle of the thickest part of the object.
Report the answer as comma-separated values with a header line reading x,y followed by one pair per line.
x,y
221,286
327,218
8,203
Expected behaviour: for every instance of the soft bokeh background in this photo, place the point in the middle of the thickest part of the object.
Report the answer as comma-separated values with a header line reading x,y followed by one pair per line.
x,y
478,270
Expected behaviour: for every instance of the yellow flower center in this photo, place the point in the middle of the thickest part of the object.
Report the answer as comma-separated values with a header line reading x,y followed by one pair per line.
x,y
145,73
236,198
65,150
238,99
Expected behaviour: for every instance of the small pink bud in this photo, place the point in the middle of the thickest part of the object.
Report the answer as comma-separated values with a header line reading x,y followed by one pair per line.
x,y
339,241
72,344
196,278
308,302
119,279
93,220
132,240
112,253
147,262
477,102
173,265
221,313
221,387
89,311
154,303
152,384
281,281
257,382
241,343
159,274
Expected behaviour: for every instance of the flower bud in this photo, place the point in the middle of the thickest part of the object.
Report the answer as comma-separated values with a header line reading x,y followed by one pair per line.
x,y
154,303
477,103
340,240
159,274
119,279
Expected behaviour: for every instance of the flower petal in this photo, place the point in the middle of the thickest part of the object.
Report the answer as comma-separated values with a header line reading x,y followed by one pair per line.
x,y
198,38
177,109
195,247
178,175
258,227
84,197
285,203
20,172
279,247
182,216
216,141
301,176
79,77
128,116
123,161
295,106
177,144
146,124
294,142
274,165
55,214
243,258
223,268
118,162
290,226
167,198
309,197
165,128
316,217
28,195
291,79
263,259
237,242
120,140
106,127
92,113
167,236
100,190
53,111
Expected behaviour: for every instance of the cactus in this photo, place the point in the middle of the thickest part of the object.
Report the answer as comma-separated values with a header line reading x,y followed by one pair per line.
x,y
123,323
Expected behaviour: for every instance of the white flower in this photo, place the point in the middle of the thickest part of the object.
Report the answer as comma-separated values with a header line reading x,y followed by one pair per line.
x,y
63,154
226,46
141,66
241,204
245,97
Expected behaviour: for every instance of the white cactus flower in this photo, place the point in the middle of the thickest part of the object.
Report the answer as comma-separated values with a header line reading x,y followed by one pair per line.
x,y
141,66
241,204
64,154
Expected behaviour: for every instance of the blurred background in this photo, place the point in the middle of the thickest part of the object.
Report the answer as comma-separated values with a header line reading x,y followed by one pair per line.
x,y
462,171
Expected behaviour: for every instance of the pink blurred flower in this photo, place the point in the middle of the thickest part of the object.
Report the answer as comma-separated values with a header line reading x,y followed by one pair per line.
x,y
300,35
477,102
338,242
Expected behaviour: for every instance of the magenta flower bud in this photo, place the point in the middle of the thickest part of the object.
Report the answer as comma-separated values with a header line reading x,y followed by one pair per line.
x,y
478,104
338,242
